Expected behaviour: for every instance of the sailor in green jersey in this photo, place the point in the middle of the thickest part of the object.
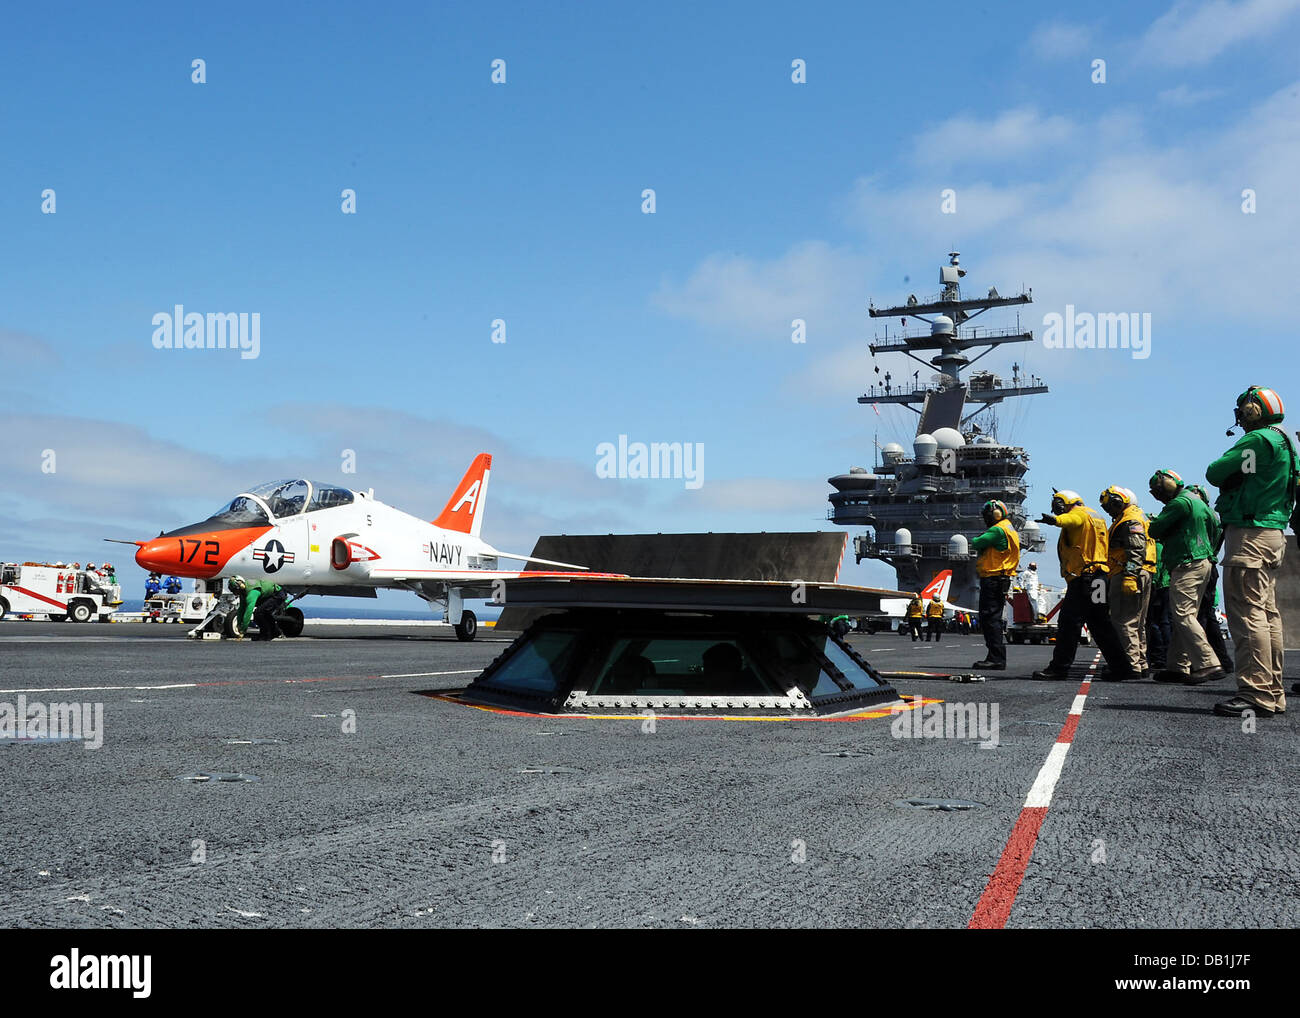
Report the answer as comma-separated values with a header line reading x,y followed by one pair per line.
x,y
1208,614
1185,527
1256,479
249,595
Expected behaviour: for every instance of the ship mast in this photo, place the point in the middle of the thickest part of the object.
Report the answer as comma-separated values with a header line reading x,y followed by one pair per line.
x,y
947,315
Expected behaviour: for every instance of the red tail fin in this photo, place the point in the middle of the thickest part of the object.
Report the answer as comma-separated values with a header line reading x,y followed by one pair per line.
x,y
465,510
939,585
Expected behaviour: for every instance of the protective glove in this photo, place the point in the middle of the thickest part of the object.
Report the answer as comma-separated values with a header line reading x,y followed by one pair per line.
x,y
1049,519
1130,585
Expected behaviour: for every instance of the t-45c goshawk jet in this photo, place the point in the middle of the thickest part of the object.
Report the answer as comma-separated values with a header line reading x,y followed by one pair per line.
x,y
315,538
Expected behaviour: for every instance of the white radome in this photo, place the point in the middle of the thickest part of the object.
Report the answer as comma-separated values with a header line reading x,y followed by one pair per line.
x,y
949,438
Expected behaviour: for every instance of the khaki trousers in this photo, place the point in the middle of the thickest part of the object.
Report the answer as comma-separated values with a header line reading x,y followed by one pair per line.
x,y
1128,617
1252,557
1189,650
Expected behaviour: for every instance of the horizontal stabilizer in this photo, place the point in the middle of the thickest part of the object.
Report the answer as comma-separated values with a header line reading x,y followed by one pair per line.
x,y
539,561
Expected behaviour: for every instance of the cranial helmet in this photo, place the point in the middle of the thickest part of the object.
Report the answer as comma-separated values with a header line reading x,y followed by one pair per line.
x,y
1064,499
1116,499
994,511
237,583
1165,484
1259,407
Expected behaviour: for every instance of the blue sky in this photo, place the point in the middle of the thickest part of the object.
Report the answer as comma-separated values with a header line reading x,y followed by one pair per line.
x,y
522,201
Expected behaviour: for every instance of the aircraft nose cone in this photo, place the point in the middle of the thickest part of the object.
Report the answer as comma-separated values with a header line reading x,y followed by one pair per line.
x,y
149,556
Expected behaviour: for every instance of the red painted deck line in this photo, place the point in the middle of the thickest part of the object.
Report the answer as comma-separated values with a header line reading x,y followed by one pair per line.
x,y
999,895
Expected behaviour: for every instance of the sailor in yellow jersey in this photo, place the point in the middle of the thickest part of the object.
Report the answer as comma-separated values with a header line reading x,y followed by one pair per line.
x,y
915,613
1082,551
999,558
934,619
1130,550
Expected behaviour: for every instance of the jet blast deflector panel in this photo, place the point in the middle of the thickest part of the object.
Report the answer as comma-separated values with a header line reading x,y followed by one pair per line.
x,y
812,556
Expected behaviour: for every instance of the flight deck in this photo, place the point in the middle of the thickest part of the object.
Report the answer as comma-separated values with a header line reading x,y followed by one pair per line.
x,y
335,780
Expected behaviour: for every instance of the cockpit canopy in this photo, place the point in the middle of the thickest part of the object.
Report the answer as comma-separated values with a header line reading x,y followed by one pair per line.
x,y
282,499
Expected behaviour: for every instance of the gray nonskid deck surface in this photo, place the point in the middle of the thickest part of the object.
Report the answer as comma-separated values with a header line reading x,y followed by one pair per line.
x,y
438,814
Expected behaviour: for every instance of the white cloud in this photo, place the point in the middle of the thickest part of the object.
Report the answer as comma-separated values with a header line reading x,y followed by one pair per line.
x,y
1005,138
23,349
1191,33
760,299
979,206
1184,96
1058,39
758,495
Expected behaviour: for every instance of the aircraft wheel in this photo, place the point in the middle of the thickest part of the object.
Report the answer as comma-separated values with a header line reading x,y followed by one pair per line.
x,y
468,627
232,627
291,622
81,612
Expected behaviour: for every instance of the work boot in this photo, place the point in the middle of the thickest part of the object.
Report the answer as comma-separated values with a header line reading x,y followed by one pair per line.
x,y
1172,675
998,666
1120,676
1200,675
1238,706
1052,673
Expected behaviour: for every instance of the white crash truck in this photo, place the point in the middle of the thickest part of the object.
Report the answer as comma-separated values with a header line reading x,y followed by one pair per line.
x,y
57,591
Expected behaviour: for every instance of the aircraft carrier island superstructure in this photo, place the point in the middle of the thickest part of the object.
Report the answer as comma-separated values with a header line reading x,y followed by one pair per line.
x,y
923,509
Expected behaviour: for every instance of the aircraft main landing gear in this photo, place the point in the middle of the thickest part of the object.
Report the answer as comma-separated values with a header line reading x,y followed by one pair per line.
x,y
467,628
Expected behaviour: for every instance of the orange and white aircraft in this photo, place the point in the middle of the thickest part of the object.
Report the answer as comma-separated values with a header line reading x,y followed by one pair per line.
x,y
315,538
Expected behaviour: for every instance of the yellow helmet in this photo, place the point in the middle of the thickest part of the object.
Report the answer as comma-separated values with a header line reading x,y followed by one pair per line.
x,y
1116,499
1064,499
